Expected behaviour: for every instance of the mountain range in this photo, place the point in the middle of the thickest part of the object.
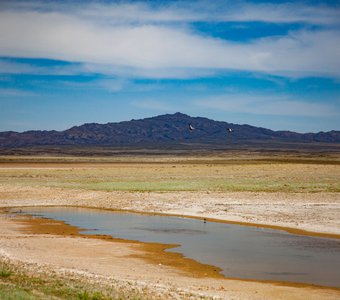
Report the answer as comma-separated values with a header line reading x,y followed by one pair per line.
x,y
161,130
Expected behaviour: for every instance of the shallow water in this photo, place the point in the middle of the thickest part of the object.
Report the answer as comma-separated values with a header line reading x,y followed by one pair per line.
x,y
240,251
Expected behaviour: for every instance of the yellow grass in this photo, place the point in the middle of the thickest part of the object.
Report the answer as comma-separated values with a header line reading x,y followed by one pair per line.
x,y
271,173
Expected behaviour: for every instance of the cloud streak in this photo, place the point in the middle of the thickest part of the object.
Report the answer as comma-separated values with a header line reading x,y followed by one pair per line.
x,y
267,105
7,93
139,12
10,66
134,40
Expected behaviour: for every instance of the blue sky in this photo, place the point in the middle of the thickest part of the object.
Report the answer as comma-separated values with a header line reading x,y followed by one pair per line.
x,y
273,64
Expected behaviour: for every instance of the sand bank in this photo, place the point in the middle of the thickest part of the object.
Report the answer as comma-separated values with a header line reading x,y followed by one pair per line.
x,y
314,212
125,265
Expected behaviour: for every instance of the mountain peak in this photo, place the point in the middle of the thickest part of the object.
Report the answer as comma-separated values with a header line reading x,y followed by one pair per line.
x,y
177,115
162,130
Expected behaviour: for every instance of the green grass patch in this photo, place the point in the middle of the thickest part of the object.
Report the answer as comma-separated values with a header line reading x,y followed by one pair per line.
x,y
220,185
16,285
5,272
12,292
265,177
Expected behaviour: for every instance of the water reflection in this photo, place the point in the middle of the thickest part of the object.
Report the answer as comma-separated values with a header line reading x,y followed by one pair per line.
x,y
240,251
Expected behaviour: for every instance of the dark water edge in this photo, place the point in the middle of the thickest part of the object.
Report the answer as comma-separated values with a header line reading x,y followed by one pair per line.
x,y
240,251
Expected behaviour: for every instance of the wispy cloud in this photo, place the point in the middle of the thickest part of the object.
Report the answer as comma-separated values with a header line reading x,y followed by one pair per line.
x,y
290,12
152,71
7,92
10,66
267,105
139,12
112,85
135,39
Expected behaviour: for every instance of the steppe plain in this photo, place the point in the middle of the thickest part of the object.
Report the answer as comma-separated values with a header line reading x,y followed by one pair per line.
x,y
297,192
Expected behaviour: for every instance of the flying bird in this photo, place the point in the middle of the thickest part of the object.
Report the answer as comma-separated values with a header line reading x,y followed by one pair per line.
x,y
230,130
191,128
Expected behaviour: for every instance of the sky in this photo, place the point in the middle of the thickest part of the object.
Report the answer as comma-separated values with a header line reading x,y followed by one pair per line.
x,y
273,64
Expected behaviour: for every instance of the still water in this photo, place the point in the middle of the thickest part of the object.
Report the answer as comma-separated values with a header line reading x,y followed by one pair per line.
x,y
240,251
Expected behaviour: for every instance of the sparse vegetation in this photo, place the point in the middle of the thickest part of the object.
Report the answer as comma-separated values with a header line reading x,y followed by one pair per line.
x,y
60,178
259,174
18,285
4,271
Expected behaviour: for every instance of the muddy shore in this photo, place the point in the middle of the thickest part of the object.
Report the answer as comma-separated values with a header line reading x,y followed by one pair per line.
x,y
312,212
128,264
125,264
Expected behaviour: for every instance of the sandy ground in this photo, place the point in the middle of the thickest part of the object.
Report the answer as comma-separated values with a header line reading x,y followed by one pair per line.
x,y
315,212
122,263
113,264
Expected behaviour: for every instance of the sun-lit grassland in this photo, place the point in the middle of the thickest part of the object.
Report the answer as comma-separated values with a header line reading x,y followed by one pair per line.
x,y
252,172
16,284
244,172
20,283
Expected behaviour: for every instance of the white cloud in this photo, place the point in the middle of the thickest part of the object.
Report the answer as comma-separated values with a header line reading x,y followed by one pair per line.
x,y
112,85
185,11
13,67
282,13
267,105
151,72
154,50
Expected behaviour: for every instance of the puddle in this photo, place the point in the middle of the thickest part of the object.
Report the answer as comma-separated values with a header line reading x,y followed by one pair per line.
x,y
240,251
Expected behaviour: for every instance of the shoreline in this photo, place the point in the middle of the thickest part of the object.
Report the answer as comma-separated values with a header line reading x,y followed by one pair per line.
x,y
153,252
313,210
290,230
125,262
315,214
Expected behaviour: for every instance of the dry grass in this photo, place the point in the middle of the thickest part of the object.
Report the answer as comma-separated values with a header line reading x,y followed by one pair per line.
x,y
244,172
270,173
19,284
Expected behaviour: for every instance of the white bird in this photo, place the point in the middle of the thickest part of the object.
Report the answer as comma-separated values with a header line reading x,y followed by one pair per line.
x,y
191,128
230,130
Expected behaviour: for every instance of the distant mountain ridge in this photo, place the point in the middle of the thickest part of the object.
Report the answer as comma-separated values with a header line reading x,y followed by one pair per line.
x,y
160,130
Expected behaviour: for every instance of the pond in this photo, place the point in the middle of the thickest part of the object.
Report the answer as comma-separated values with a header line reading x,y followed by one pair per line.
x,y
240,251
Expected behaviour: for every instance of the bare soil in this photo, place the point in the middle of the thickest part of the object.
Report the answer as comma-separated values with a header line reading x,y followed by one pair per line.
x,y
124,265
309,210
313,212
